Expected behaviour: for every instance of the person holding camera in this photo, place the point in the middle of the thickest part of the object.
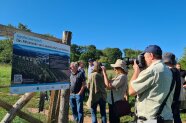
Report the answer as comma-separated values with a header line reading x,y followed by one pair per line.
x,y
97,95
170,61
117,86
152,87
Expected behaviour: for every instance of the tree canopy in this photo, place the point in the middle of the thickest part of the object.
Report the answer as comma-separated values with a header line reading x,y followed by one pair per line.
x,y
5,51
182,61
107,55
131,53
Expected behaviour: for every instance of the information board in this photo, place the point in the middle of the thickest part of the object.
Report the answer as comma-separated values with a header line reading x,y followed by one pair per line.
x,y
39,65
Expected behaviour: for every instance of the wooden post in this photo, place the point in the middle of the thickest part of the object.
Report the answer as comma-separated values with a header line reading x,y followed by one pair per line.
x,y
17,106
19,113
65,94
53,106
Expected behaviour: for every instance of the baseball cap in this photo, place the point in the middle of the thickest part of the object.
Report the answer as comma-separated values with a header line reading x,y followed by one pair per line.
x,y
153,49
169,57
90,60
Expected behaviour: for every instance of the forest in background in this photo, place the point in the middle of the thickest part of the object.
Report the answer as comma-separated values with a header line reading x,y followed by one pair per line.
x,y
106,56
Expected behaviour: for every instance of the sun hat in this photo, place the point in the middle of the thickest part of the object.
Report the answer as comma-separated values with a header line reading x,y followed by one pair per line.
x,y
120,63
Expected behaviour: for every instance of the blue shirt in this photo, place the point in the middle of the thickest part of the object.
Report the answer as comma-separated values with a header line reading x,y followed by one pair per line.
x,y
90,69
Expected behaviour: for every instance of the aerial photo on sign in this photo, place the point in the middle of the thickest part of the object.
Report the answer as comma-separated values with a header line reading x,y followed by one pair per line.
x,y
38,61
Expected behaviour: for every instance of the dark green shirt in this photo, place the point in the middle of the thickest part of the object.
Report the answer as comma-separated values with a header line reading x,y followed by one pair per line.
x,y
97,88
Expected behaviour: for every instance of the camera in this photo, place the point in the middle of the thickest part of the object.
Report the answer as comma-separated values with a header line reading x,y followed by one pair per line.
x,y
100,65
140,60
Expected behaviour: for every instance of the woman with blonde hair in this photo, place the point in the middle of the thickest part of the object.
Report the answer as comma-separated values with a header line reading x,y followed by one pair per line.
x,y
117,86
97,95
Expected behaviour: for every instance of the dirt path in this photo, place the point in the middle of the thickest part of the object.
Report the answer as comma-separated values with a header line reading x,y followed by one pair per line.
x,y
87,119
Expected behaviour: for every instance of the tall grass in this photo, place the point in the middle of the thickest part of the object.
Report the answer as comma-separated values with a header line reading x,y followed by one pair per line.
x,y
5,77
5,74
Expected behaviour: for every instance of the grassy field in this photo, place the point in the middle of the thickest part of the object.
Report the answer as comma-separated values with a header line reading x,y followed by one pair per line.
x,y
31,107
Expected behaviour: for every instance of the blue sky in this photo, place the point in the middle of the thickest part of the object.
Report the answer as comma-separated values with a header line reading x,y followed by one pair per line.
x,y
104,23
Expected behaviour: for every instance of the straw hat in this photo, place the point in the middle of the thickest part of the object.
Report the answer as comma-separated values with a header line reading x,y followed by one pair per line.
x,y
120,63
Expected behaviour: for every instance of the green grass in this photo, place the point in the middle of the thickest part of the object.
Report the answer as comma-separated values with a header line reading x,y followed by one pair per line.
x,y
183,116
5,77
20,120
16,119
5,73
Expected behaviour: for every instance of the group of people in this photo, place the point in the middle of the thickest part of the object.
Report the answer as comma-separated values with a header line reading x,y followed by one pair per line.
x,y
156,87
97,84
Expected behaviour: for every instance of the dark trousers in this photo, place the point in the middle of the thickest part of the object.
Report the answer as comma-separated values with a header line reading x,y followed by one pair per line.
x,y
176,111
76,104
102,105
112,117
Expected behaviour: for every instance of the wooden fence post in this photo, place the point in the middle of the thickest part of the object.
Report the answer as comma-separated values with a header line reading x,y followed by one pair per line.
x,y
65,94
17,106
54,106
19,113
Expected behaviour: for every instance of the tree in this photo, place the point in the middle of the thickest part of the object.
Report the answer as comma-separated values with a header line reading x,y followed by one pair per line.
x,y
75,52
131,53
6,51
6,45
88,52
49,35
103,59
23,27
182,61
98,54
91,48
10,25
85,56
112,54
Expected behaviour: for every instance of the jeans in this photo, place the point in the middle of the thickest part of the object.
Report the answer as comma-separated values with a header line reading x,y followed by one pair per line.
x,y
76,104
102,105
176,112
112,117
